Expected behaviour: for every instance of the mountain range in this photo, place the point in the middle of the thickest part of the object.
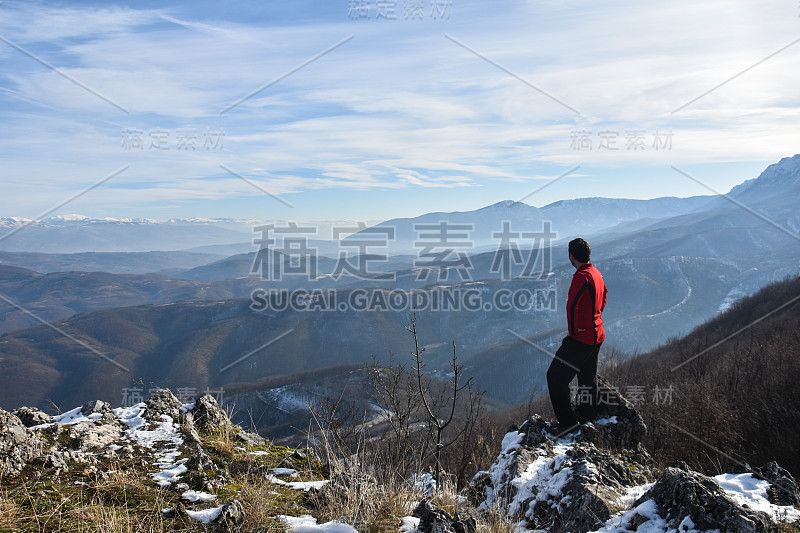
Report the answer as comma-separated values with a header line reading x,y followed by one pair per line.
x,y
670,264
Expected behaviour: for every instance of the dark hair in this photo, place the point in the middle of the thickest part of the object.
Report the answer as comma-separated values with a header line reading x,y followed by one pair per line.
x,y
580,250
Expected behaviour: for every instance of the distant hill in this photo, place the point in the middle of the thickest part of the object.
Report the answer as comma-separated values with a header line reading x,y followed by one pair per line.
x,y
114,262
84,234
75,233
567,218
665,277
59,295
733,383
188,344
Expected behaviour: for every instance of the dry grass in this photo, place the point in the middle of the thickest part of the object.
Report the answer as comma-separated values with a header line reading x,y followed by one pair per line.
x,y
122,501
9,510
496,522
122,497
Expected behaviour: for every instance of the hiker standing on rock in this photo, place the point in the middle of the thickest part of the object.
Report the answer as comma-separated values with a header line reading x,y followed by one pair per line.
x,y
579,349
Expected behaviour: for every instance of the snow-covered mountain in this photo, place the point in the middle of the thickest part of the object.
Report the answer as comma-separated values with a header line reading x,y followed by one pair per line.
x,y
567,219
779,179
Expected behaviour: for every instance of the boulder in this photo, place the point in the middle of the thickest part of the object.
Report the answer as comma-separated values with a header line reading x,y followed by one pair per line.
x,y
680,493
435,520
208,415
231,515
201,471
249,438
98,407
18,444
30,416
617,425
559,484
86,436
162,402
783,487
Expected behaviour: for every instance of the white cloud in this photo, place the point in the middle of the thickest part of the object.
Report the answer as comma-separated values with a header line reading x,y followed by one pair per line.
x,y
399,106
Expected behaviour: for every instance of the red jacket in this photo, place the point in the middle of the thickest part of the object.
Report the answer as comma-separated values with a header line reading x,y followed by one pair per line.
x,y
585,304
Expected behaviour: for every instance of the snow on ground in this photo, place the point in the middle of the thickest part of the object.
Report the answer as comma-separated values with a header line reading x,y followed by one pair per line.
x,y
206,515
731,298
131,416
286,399
298,485
291,472
308,524
633,493
747,490
544,477
74,416
163,438
425,483
197,496
511,442
70,417
607,421
410,523
653,524
170,472
744,489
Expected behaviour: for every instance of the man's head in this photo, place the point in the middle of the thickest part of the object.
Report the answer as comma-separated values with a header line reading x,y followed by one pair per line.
x,y
579,252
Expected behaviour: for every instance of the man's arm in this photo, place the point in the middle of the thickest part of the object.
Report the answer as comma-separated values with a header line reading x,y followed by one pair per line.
x,y
577,312
605,294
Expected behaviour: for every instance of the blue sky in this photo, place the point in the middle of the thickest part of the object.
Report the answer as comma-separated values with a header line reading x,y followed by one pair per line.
x,y
432,106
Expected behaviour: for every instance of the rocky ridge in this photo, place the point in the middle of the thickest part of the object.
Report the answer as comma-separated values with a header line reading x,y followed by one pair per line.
x,y
600,478
162,437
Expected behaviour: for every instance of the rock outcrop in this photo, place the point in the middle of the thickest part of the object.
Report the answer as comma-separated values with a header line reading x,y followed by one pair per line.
x,y
30,416
162,436
18,445
597,478
435,520
208,415
600,478
231,514
162,402
783,487
98,407
682,496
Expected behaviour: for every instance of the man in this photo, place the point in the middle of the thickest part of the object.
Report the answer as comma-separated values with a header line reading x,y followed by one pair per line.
x,y
579,349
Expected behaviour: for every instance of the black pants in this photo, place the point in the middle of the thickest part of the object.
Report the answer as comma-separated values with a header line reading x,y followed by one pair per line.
x,y
574,357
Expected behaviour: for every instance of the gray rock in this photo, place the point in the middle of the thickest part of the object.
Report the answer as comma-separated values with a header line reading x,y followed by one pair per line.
x,y
231,515
55,460
595,483
435,520
556,486
98,407
162,402
679,493
208,415
30,416
574,483
628,431
86,436
18,445
783,487
247,437
189,430
202,473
